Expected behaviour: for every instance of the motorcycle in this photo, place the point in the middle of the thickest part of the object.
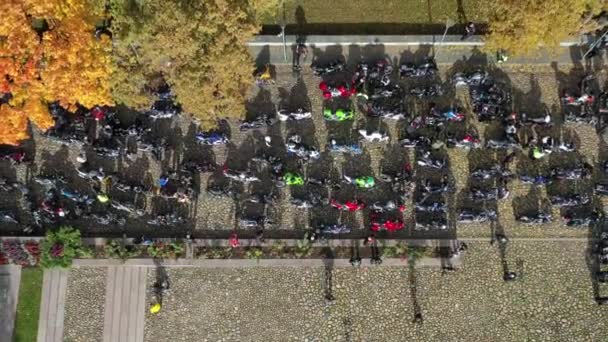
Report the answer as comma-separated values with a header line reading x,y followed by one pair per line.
x,y
364,182
126,188
502,144
350,206
426,160
245,177
294,146
475,79
299,114
572,221
542,121
434,90
333,229
499,193
262,199
338,114
580,119
538,218
569,201
211,138
6,217
292,178
535,180
15,158
467,143
415,142
387,207
328,68
580,172
494,172
128,208
601,189
374,137
261,122
261,221
343,91
467,216
171,219
426,69
433,208
77,197
218,191
345,148
388,225
433,225
50,181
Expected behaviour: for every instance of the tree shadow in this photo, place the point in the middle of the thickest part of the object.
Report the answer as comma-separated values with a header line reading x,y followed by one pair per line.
x,y
263,58
260,105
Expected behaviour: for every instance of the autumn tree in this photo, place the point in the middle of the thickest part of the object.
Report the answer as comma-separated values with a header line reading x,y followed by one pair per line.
x,y
197,47
520,26
63,63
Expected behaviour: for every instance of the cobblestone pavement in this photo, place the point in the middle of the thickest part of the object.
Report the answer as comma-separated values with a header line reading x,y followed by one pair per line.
x,y
84,308
551,301
534,87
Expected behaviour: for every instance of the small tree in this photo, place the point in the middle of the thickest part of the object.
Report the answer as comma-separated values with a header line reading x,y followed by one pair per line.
x,y
60,247
520,26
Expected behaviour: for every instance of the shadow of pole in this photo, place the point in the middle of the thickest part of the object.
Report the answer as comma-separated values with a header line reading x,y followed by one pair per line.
x,y
413,285
328,260
161,285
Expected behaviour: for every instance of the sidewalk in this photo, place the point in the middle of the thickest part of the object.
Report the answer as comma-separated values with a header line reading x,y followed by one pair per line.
x,y
269,49
52,308
10,279
125,305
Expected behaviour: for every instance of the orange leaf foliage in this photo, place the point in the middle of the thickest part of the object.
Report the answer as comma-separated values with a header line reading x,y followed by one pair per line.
x,y
68,64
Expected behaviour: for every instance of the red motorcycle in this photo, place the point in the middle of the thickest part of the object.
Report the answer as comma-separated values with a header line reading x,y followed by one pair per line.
x,y
342,90
388,225
350,206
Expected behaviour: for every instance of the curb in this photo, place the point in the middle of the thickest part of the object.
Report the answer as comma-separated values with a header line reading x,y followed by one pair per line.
x,y
387,40
249,263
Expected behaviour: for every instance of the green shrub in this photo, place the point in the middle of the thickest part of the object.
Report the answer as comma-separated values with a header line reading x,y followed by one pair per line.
x,y
60,247
277,248
303,248
116,250
400,250
254,253
163,250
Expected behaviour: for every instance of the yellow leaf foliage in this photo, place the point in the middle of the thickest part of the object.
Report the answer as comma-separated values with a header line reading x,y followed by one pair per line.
x,y
520,26
68,64
196,46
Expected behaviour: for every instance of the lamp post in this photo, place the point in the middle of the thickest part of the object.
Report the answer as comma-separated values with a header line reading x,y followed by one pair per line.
x,y
597,41
283,32
448,23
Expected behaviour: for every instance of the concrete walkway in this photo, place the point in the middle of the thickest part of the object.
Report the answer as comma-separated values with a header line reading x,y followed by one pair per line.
x,y
52,308
248,263
125,306
10,278
269,49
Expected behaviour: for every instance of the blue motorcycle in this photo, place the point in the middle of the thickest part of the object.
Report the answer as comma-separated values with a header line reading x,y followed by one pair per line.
x,y
211,138
345,148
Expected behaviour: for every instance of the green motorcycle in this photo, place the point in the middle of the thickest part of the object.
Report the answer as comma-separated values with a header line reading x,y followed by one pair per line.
x,y
292,178
364,182
338,115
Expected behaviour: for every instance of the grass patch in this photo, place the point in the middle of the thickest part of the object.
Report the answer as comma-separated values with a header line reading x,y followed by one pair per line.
x,y
28,307
382,11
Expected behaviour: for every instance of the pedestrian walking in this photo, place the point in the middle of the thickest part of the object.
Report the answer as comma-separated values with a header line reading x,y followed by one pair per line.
x,y
300,52
469,30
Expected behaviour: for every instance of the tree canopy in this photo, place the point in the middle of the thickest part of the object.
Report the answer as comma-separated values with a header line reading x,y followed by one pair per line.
x,y
196,46
63,62
520,26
